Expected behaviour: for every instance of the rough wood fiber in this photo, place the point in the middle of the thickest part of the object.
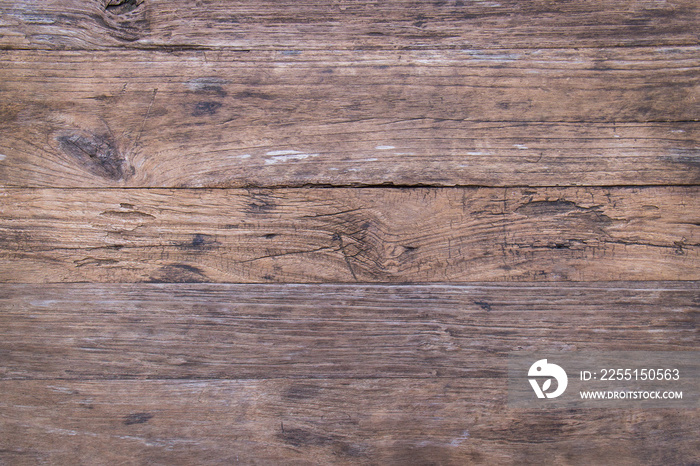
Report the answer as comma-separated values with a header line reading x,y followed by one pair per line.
x,y
225,119
514,96
372,152
205,331
346,235
317,24
347,421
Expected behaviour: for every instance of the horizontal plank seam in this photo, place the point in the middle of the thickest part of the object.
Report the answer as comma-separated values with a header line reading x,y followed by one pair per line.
x,y
330,248
225,48
312,186
583,284
216,379
637,285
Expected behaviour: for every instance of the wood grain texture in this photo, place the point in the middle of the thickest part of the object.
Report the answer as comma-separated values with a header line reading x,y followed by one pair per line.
x,y
596,117
346,235
206,331
389,421
349,24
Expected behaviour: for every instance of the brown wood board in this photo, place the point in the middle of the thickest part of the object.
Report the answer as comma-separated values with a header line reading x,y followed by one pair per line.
x,y
318,25
290,331
310,232
338,421
350,235
228,119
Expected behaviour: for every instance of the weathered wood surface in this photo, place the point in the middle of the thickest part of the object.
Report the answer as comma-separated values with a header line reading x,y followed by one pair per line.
x,y
350,234
293,25
347,421
205,331
571,131
625,116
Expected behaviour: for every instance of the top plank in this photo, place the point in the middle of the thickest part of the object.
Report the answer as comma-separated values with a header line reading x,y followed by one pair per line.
x,y
348,24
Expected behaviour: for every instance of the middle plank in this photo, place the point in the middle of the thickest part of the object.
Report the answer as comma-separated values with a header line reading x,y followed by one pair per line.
x,y
349,234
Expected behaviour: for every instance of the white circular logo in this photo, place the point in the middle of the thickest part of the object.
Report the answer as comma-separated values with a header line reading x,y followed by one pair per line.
x,y
541,369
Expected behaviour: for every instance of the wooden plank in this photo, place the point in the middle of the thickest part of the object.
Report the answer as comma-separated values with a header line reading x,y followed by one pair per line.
x,y
349,24
225,119
390,421
350,234
345,235
88,331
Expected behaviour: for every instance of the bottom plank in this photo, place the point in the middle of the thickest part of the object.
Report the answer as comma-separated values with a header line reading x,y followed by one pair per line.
x,y
326,421
324,374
